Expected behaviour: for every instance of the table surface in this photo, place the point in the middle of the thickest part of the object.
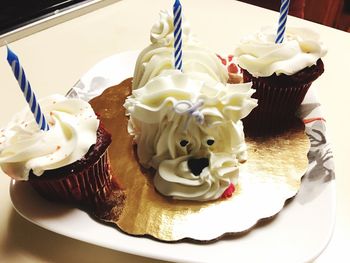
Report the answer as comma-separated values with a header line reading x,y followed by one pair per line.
x,y
55,58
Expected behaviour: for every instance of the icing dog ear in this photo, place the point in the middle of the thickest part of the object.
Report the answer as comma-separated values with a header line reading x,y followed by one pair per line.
x,y
237,101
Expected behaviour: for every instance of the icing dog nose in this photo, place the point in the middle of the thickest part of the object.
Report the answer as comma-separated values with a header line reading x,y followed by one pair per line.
x,y
196,166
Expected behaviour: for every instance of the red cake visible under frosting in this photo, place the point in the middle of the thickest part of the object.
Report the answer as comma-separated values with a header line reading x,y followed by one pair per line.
x,y
86,181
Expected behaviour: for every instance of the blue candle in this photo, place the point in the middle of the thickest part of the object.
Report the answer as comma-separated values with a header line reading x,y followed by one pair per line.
x,y
282,21
177,35
27,90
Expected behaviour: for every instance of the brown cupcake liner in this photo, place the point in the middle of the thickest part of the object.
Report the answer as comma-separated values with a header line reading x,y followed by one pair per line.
x,y
276,108
89,187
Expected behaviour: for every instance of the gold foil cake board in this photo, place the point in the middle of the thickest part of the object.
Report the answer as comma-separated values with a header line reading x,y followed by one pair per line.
x,y
271,175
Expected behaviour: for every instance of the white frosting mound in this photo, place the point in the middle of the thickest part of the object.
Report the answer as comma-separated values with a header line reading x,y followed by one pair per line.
x,y
261,57
178,119
24,147
175,178
159,55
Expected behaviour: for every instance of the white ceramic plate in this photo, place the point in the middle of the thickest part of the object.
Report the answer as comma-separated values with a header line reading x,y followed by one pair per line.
x,y
298,234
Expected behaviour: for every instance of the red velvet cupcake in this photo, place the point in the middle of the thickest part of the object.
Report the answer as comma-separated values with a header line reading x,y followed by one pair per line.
x,y
69,162
84,182
281,74
279,97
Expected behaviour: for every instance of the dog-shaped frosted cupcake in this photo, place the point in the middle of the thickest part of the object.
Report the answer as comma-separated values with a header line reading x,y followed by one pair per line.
x,y
187,124
188,128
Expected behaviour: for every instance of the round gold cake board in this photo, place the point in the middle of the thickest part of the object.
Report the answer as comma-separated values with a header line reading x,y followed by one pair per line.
x,y
271,175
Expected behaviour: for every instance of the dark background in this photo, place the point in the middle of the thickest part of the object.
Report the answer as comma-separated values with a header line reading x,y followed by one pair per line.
x,y
333,13
17,13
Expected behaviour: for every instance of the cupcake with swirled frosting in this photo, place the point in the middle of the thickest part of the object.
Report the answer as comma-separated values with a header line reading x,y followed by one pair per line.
x,y
281,74
69,162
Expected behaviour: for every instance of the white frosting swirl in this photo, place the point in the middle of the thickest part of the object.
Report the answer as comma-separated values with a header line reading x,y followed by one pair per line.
x,y
161,122
175,178
23,147
159,56
162,31
261,57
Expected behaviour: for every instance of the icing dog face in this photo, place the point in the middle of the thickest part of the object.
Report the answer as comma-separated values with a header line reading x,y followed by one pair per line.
x,y
190,131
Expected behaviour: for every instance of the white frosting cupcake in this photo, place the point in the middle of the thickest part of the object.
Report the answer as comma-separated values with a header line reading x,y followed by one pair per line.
x,y
281,74
69,162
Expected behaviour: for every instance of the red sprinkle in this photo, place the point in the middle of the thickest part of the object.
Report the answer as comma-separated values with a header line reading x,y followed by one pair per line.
x,y
313,119
230,57
229,191
232,68
223,61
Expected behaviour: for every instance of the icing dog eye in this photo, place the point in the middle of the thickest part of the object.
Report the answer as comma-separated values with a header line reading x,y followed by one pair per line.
x,y
183,143
208,141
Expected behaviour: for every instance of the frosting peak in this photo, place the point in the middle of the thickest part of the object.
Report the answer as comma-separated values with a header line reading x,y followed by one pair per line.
x,y
159,55
162,31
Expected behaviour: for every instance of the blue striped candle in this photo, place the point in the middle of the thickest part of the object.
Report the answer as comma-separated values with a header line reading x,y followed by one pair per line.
x,y
177,35
282,21
27,90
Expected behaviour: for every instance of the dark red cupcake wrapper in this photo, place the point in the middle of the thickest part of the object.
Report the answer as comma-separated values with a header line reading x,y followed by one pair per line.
x,y
89,187
276,108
